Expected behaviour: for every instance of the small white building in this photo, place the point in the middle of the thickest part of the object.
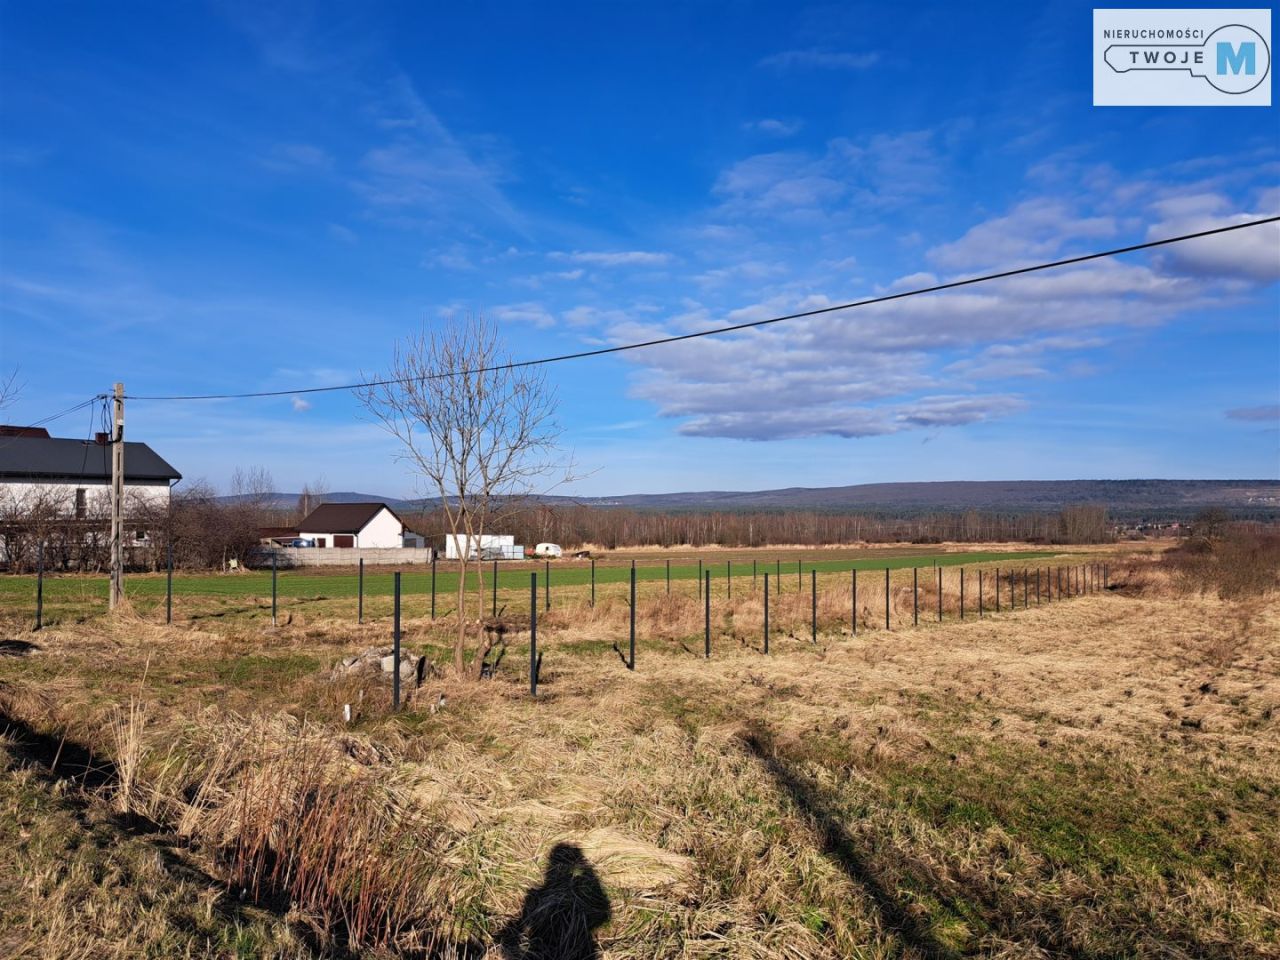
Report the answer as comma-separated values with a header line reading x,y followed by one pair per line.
x,y
367,525
486,546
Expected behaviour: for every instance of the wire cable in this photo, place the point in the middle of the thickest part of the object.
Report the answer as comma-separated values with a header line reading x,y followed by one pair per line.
x,y
7,441
621,348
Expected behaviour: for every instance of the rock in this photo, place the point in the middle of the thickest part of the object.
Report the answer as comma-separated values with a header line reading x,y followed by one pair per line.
x,y
411,667
364,661
381,661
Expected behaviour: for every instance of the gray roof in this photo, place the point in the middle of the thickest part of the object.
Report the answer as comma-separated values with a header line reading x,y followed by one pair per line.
x,y
51,458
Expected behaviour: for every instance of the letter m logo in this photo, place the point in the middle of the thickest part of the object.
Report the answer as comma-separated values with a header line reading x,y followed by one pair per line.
x,y
1237,58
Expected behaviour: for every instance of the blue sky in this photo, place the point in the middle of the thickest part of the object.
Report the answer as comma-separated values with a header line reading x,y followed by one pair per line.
x,y
248,196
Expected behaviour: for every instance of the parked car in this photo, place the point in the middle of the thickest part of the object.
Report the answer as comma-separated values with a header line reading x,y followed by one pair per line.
x,y
298,542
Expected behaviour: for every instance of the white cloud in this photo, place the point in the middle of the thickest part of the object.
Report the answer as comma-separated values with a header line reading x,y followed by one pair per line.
x,y
427,174
532,313
1033,230
454,259
299,404
853,176
820,59
749,271
296,157
773,127
1251,254
913,363
621,258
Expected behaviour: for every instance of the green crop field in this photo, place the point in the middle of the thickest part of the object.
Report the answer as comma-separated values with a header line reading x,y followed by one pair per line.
x,y
304,584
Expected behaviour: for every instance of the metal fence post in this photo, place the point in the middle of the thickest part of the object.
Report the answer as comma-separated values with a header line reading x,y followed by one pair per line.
x,y
668,578
433,584
631,665
939,594
962,593
766,611
813,596
915,596
886,598
754,578
707,617
777,575
593,581
494,607
854,598
395,643
728,577
168,586
980,612
799,575
1026,589
997,589
273,589
40,586
360,593
533,633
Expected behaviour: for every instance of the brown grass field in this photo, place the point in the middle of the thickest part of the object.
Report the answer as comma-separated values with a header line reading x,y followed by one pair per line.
x,y
1093,777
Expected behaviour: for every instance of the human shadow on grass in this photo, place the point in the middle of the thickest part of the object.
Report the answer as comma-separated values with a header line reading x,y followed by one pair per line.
x,y
557,919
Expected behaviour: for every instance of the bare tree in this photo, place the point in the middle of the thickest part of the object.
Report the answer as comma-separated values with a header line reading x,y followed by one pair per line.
x,y
9,388
475,428
313,494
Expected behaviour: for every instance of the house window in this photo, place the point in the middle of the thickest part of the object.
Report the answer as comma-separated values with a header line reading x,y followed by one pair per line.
x,y
81,508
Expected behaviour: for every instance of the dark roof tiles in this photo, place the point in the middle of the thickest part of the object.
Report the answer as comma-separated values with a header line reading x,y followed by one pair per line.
x,y
54,458
342,517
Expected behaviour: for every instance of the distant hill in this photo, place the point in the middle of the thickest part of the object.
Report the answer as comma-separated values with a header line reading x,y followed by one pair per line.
x,y
1123,498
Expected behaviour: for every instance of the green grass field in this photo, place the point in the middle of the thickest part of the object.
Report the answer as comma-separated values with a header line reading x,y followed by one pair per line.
x,y
305,584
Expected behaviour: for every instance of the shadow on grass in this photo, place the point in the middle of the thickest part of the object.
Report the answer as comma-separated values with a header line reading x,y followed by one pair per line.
x,y
841,847
17,648
558,919
57,760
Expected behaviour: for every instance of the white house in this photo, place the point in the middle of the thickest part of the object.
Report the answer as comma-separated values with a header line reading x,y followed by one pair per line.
x,y
72,478
368,525
486,546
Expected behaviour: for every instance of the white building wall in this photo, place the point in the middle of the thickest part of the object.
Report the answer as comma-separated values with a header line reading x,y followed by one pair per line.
x,y
97,495
383,531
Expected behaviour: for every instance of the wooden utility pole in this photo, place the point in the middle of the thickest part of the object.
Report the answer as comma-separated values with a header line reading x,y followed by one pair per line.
x,y
117,498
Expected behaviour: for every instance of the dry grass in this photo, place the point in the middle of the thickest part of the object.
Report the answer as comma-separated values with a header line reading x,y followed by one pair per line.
x,y
1091,778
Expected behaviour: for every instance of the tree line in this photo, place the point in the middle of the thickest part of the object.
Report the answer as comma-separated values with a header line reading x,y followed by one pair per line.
x,y
576,526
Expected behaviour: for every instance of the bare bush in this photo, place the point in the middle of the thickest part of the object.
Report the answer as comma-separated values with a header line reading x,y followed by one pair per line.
x,y
1240,562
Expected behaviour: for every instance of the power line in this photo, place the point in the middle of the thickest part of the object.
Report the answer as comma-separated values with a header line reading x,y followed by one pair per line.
x,y
621,348
49,419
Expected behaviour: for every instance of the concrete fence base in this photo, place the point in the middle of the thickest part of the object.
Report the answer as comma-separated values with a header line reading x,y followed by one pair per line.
x,y
348,556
